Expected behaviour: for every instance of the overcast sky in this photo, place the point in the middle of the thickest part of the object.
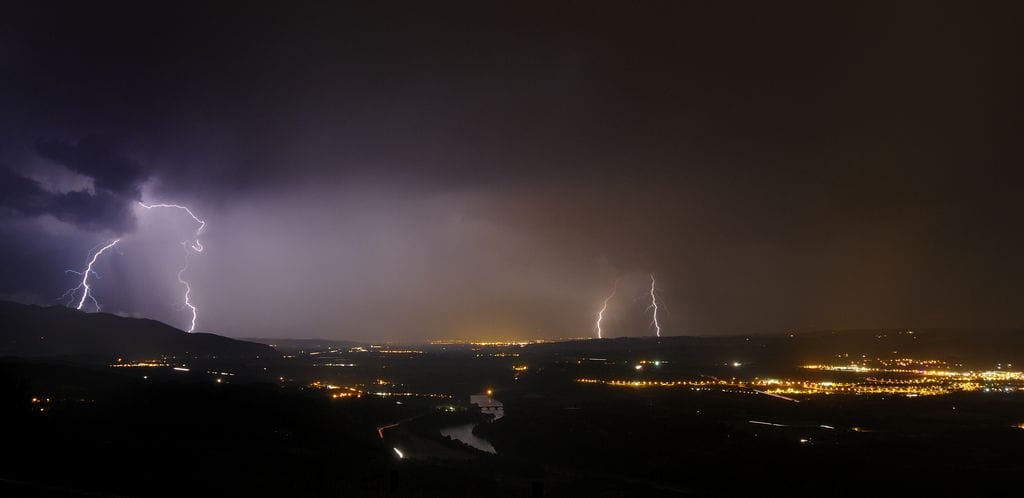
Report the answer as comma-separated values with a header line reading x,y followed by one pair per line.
x,y
386,170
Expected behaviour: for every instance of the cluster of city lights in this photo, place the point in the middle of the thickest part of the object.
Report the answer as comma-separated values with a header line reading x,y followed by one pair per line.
x,y
337,391
140,364
523,343
929,379
986,375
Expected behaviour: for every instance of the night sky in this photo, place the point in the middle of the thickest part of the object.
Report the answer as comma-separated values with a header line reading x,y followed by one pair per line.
x,y
387,170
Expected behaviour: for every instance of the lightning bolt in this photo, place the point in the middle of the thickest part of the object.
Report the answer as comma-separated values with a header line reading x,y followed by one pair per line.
x,y
196,246
188,288
604,307
654,307
85,279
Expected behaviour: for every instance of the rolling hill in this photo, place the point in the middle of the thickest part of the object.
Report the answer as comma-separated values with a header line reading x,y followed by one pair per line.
x,y
36,331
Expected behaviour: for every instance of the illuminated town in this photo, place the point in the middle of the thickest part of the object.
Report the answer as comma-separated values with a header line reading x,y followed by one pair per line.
x,y
891,377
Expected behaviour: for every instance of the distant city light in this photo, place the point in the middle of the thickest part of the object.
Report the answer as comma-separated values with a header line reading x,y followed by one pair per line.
x,y
930,378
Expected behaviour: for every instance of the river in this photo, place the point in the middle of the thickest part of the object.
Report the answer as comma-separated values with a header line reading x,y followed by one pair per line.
x,y
465,434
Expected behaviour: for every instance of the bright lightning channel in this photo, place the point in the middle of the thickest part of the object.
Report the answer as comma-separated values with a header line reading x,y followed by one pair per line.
x,y
604,307
654,307
85,278
188,289
197,246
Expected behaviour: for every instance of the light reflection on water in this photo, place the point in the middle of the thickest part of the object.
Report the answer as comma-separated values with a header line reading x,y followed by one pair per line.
x,y
465,434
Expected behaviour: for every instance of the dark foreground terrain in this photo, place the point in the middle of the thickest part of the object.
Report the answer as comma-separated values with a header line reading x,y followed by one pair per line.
x,y
366,420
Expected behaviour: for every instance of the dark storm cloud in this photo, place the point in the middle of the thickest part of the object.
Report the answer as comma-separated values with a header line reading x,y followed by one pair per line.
x,y
106,206
782,164
102,210
21,194
111,171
